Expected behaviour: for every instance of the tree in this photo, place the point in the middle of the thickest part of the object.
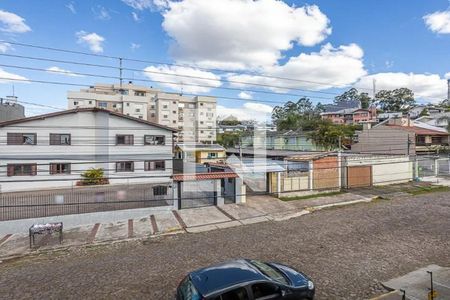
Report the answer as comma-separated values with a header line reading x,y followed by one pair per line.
x,y
328,135
294,115
229,139
354,95
401,99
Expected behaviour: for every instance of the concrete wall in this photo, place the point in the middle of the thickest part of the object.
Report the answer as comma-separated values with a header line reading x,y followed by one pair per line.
x,y
93,144
11,111
385,140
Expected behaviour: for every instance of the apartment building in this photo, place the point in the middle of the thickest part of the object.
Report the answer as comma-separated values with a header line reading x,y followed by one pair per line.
x,y
53,150
194,117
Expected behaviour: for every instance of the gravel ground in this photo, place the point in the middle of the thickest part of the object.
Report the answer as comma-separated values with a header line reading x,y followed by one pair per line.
x,y
346,251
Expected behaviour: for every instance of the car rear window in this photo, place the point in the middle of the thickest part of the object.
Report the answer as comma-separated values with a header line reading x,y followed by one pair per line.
x,y
187,290
270,271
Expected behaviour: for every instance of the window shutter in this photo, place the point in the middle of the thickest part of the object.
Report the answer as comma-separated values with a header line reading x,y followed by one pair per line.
x,y
14,138
52,169
54,139
34,169
10,170
132,166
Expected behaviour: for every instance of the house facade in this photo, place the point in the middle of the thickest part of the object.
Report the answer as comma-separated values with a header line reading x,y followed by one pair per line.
x,y
351,116
401,136
291,140
53,150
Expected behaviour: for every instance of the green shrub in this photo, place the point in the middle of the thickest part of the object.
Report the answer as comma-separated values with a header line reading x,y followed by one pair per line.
x,y
93,177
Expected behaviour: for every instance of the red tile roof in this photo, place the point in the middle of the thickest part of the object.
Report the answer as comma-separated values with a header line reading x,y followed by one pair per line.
x,y
419,130
204,176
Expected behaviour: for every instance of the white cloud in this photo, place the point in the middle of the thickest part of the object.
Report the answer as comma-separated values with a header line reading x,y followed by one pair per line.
x,y
425,86
245,95
135,46
71,7
5,47
92,40
6,77
330,67
12,23
60,71
447,75
135,16
179,83
101,13
248,111
240,34
146,4
438,22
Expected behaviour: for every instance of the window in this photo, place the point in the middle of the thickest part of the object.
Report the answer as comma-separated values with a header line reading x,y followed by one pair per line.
x,y
59,139
236,294
154,165
138,110
212,155
160,190
114,105
165,106
152,106
269,271
90,102
187,290
265,290
124,139
59,168
153,115
21,138
154,140
128,104
201,122
75,102
140,117
125,166
174,122
174,102
201,104
21,169
174,111
103,104
139,93
165,116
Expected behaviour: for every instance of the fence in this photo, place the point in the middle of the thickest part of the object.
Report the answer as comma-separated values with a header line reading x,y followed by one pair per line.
x,y
22,205
434,166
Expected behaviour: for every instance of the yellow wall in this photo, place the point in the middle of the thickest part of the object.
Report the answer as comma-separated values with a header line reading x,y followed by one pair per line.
x,y
201,156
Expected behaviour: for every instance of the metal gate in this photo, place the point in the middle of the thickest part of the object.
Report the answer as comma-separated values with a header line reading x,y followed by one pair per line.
x,y
359,176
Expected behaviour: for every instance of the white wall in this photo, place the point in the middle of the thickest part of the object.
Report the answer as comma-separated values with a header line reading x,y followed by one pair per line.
x,y
386,169
93,139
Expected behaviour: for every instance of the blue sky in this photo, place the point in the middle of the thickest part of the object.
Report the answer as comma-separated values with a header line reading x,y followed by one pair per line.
x,y
330,45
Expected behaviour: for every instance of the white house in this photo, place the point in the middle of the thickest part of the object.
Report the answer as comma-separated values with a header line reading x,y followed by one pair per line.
x,y
53,150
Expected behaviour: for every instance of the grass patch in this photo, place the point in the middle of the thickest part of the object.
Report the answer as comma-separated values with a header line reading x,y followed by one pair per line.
x,y
312,196
429,189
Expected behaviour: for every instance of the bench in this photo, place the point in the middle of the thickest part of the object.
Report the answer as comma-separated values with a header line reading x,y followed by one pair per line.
x,y
48,228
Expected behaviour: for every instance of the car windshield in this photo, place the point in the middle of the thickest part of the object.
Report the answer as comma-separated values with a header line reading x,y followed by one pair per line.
x,y
269,271
187,290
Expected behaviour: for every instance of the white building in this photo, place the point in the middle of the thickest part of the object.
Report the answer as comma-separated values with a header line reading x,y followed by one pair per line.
x,y
195,118
52,150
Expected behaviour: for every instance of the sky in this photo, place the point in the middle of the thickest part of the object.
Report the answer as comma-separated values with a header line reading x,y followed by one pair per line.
x,y
316,49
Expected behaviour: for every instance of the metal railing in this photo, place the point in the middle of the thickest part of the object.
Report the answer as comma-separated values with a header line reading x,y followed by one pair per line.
x,y
35,204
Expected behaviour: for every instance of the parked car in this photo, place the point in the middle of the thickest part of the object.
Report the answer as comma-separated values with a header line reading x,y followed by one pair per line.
x,y
246,279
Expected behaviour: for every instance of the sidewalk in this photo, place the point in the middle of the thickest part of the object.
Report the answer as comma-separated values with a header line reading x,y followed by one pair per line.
x,y
257,209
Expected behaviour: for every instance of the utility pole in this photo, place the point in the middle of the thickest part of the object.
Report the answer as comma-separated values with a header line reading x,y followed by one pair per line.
x,y
374,87
120,71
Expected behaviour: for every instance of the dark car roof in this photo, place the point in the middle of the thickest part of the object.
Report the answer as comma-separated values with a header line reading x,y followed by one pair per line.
x,y
217,277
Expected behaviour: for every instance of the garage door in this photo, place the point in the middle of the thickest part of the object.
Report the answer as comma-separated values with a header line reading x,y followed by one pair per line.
x,y
360,176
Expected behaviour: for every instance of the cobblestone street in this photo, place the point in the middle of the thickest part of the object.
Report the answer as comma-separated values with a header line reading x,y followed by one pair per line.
x,y
347,251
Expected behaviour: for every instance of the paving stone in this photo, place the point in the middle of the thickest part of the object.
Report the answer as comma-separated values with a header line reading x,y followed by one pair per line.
x,y
166,222
202,216
112,231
